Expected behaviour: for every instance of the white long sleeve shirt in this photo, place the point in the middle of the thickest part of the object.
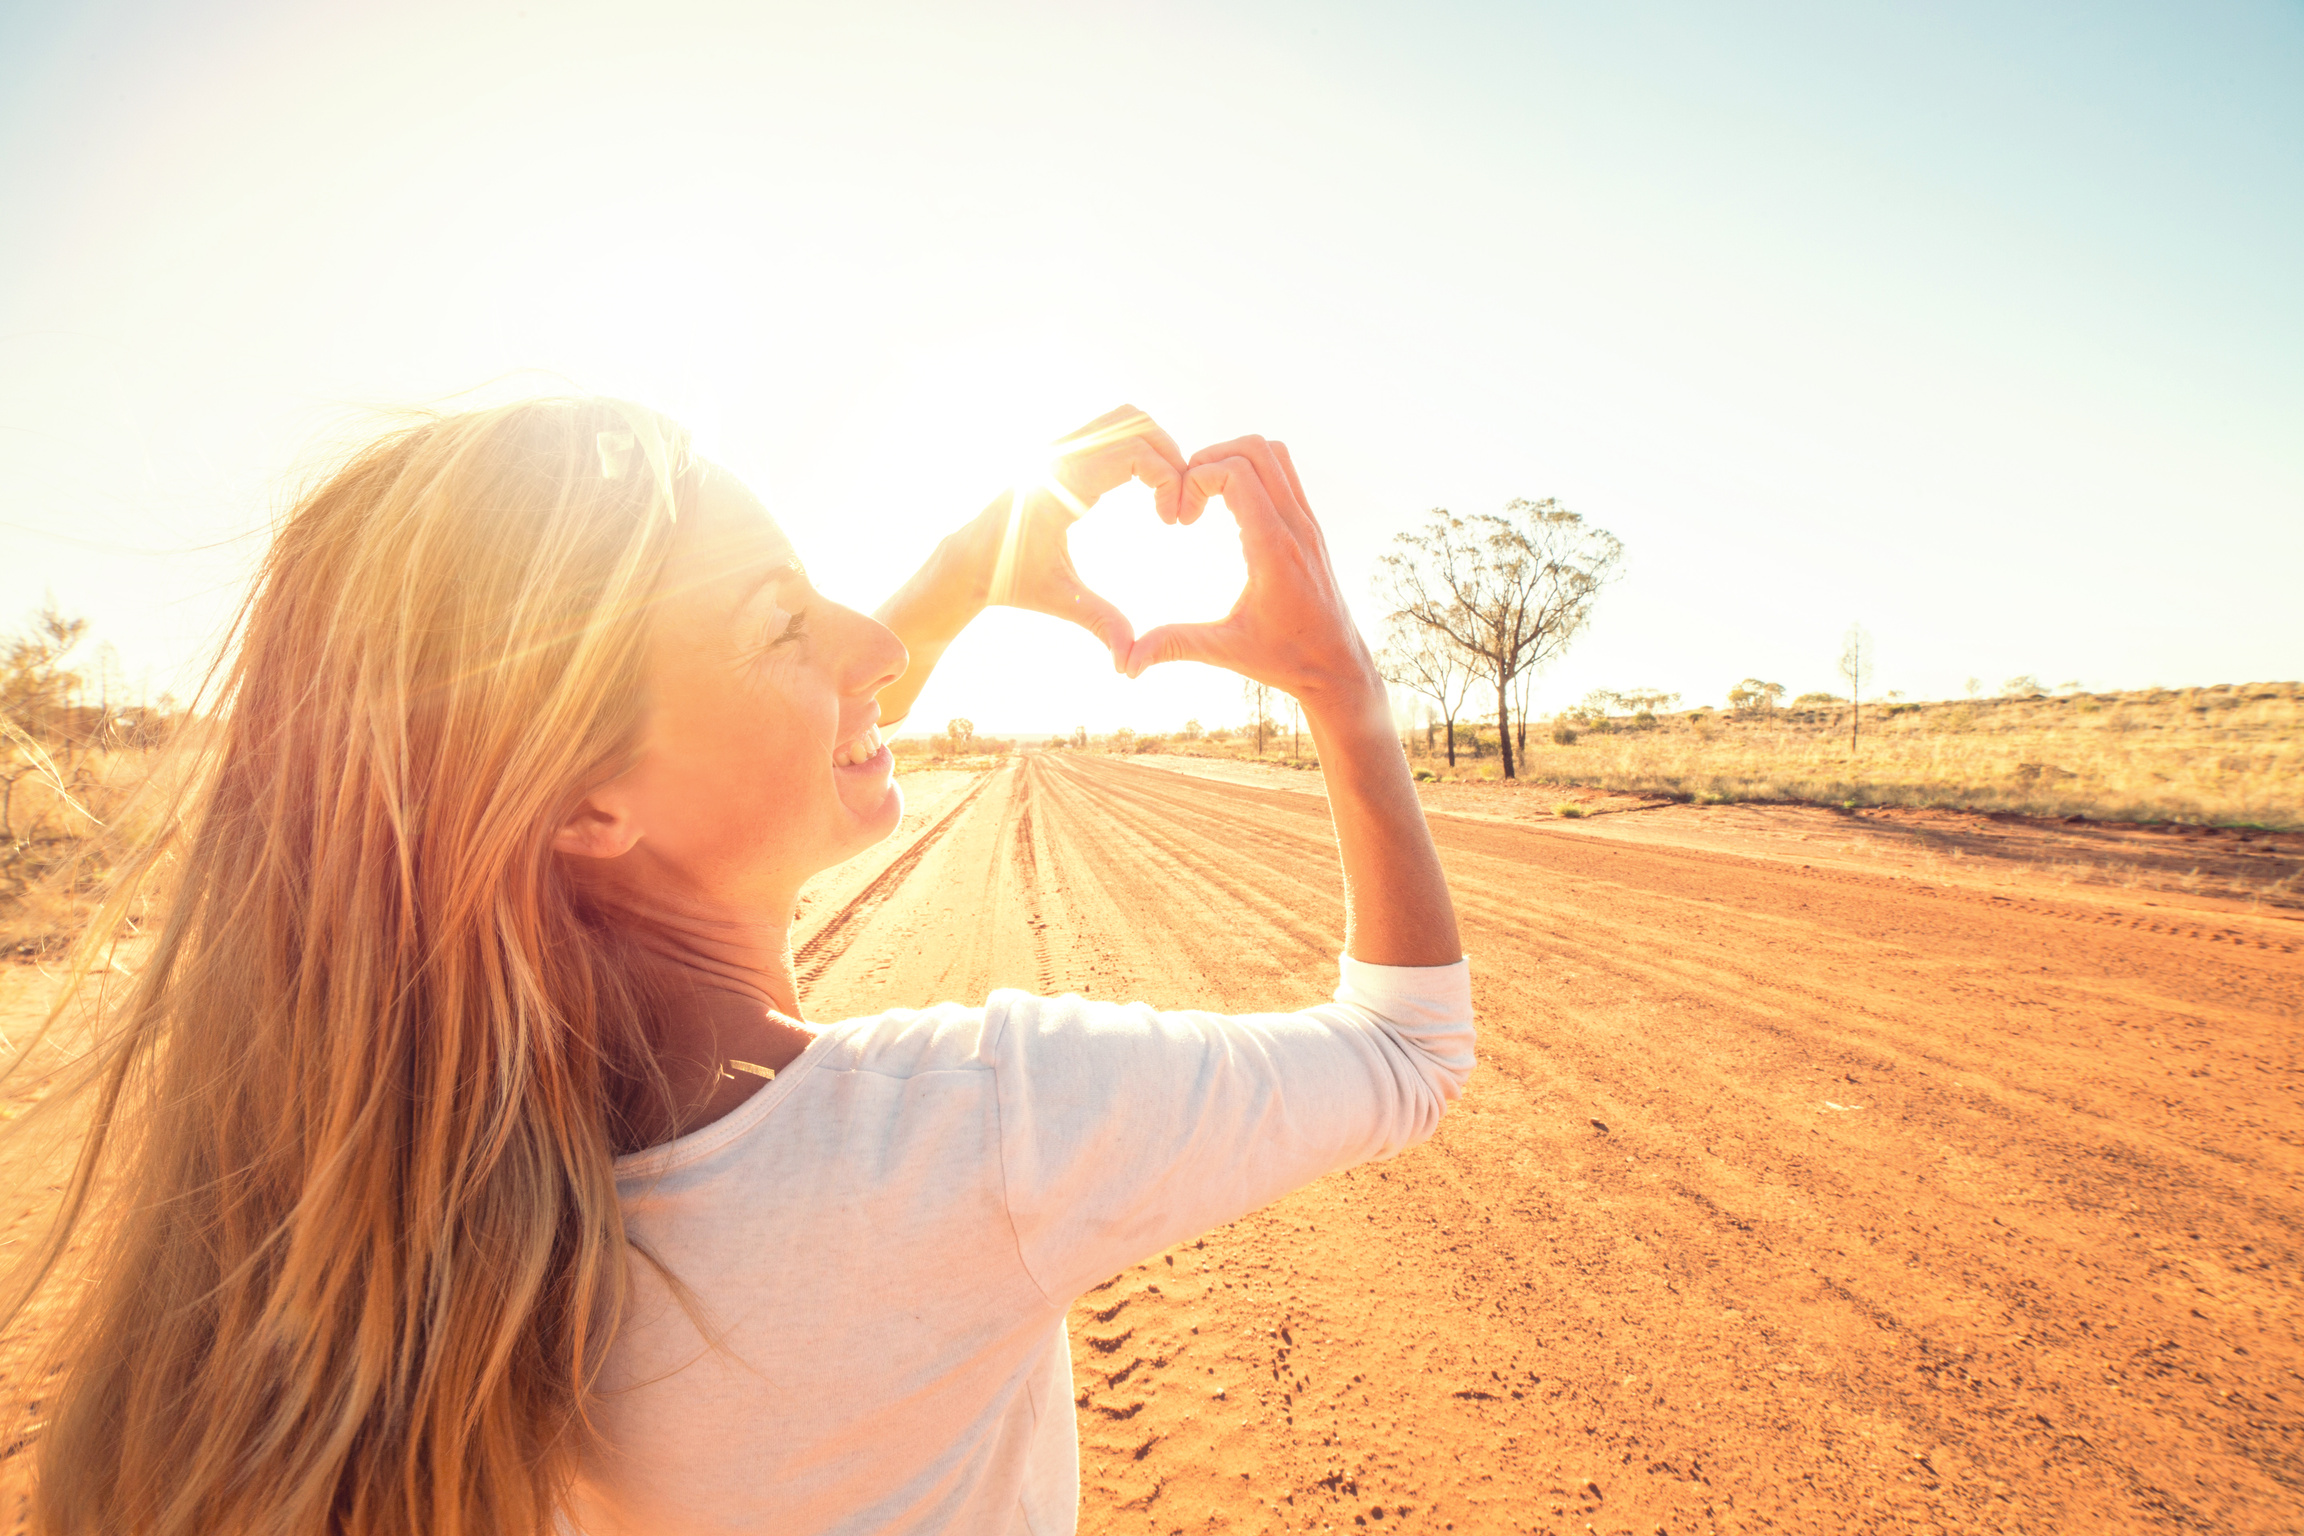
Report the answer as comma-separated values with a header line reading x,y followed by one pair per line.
x,y
878,1248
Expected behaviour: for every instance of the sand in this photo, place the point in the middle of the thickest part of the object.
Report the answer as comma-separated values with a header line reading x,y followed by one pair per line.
x,y
1822,1173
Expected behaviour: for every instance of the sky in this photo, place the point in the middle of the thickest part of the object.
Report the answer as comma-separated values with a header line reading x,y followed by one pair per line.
x,y
1977,324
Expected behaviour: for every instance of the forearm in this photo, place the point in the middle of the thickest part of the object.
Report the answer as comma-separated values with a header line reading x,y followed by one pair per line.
x,y
1397,910
940,600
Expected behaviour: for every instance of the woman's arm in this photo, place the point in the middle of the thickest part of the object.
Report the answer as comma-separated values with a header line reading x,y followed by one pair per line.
x,y
1291,629
1016,552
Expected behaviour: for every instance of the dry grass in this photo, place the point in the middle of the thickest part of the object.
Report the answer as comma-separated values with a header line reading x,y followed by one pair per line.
x,y
2222,756
55,860
2230,756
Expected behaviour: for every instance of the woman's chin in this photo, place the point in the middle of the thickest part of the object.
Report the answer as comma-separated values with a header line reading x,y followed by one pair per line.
x,y
870,792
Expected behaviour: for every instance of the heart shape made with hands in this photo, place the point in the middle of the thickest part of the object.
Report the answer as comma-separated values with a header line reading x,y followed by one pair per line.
x,y
1156,573
1075,545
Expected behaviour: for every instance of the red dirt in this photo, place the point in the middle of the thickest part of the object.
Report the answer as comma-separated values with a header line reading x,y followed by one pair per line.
x,y
1948,1178
1821,1173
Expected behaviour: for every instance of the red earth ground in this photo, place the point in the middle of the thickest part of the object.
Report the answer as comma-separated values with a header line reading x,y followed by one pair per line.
x,y
1900,1171
1823,1172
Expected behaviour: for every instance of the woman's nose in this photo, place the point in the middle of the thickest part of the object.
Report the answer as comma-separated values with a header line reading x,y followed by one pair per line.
x,y
871,655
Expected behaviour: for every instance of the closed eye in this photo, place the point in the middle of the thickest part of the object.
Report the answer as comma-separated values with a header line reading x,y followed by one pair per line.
x,y
795,628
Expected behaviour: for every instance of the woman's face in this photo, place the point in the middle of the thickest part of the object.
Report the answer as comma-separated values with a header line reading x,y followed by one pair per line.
x,y
761,763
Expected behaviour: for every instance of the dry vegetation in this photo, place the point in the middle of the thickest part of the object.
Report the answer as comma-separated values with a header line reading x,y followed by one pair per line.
x,y
77,762
2226,755
52,862
2223,756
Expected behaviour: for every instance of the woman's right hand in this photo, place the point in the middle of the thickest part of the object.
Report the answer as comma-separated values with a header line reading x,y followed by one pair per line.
x,y
1290,627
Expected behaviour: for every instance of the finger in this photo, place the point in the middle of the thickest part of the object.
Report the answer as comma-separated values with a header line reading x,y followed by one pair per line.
x,y
1248,491
1258,451
1279,487
1107,623
1242,489
1296,486
1145,450
1288,467
1166,470
1160,465
1175,642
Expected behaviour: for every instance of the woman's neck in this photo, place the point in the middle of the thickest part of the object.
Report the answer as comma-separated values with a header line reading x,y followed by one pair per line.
x,y
734,998
737,964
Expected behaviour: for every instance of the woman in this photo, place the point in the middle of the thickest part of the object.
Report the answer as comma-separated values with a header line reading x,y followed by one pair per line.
x,y
461,1160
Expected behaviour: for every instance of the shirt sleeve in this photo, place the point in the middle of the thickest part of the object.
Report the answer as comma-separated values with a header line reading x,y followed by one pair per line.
x,y
1125,1129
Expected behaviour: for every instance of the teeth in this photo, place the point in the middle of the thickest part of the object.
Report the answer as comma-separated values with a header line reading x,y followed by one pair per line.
x,y
858,748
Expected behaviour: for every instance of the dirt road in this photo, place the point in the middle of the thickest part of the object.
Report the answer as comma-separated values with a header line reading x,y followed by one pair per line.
x,y
1786,1198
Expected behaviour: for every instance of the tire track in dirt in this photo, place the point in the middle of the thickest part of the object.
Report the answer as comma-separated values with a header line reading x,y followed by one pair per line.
x,y
831,940
1028,872
1791,1199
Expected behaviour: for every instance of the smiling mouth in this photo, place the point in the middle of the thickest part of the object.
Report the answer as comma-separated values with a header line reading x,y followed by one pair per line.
x,y
858,749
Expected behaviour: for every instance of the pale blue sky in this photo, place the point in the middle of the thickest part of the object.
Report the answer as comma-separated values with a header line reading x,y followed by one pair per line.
x,y
1978,323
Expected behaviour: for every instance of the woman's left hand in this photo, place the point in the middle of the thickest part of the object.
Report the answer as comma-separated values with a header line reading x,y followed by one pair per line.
x,y
1026,536
1017,551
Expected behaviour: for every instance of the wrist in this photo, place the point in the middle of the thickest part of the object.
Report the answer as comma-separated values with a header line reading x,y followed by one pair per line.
x,y
1360,709
1351,698
957,580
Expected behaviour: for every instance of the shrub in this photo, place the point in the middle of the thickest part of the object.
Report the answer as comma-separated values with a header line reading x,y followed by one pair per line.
x,y
1563,734
1568,810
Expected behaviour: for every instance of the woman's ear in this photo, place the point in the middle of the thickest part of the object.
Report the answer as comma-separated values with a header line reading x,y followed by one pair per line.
x,y
598,828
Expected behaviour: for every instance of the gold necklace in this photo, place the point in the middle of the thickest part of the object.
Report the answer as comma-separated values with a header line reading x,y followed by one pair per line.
x,y
754,1067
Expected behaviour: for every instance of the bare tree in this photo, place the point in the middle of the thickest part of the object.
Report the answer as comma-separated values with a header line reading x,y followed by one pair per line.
x,y
1856,666
1259,696
1426,662
1510,591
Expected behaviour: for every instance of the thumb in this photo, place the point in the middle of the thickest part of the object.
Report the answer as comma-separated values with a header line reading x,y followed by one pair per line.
x,y
1174,642
1105,622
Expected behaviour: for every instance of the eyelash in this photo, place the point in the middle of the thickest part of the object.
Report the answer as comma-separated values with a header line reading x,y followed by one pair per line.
x,y
794,628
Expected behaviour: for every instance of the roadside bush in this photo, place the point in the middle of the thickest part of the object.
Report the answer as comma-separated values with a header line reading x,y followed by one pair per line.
x,y
1563,734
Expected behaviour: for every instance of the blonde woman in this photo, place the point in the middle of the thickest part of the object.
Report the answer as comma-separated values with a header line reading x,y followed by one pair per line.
x,y
438,1182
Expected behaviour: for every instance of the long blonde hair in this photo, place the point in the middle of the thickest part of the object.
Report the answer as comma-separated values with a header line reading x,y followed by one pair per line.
x,y
343,1223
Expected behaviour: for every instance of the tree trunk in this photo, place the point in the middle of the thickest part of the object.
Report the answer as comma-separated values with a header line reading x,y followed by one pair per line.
x,y
1451,741
1504,724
